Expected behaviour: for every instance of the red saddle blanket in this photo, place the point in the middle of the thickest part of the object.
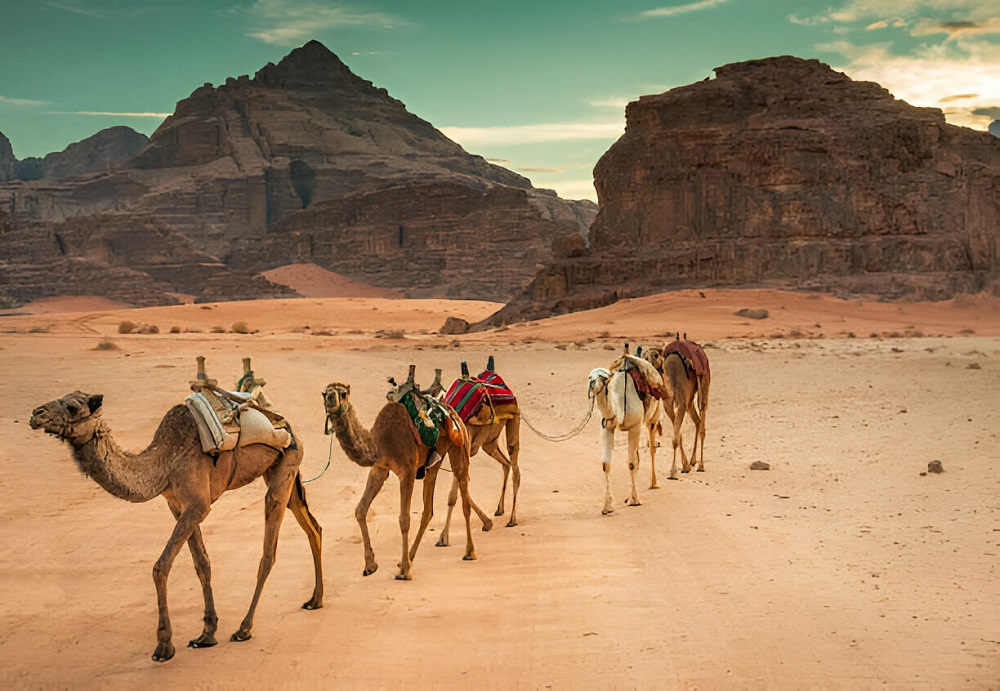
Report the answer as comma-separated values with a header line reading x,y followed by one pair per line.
x,y
467,396
693,355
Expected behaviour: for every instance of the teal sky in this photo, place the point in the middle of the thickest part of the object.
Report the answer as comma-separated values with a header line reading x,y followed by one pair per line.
x,y
539,87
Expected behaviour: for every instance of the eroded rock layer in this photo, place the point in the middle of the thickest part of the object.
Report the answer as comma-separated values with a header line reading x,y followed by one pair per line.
x,y
784,172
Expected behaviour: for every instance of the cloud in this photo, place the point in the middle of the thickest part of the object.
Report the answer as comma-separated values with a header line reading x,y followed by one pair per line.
x,y
992,112
533,134
289,23
681,9
616,103
108,10
22,102
573,189
112,114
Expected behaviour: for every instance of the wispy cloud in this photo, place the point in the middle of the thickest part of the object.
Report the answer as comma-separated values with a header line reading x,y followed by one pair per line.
x,y
681,9
111,113
616,103
289,23
107,10
572,189
954,66
533,134
22,102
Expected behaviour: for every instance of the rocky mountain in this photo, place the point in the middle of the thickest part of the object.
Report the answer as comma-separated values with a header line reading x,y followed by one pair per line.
x,y
304,162
783,172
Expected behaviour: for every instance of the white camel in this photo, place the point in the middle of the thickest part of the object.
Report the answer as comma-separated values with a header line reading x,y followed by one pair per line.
x,y
623,408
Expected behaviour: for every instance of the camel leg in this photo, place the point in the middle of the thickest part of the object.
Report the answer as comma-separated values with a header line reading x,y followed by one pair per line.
x,y
703,405
429,481
279,479
677,418
310,526
633,462
191,516
376,478
652,429
696,419
462,476
608,435
452,499
405,499
513,435
203,568
492,448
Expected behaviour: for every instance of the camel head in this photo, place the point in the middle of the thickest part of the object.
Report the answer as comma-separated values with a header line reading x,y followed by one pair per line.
x,y
598,381
654,356
63,416
336,398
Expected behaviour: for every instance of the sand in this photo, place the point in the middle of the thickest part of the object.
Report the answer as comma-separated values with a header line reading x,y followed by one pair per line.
x,y
846,565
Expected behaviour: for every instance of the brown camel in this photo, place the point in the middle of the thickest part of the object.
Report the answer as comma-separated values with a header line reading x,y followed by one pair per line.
x,y
687,377
393,445
485,428
175,466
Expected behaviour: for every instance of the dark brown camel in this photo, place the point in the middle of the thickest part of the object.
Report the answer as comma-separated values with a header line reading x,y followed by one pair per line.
x,y
175,466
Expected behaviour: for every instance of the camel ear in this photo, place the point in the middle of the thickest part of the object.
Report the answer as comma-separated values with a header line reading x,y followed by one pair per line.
x,y
94,402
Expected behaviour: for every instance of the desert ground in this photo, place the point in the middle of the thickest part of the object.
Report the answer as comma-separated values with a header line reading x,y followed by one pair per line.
x,y
845,565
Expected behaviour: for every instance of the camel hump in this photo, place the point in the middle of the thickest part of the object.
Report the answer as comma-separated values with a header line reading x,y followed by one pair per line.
x,y
691,353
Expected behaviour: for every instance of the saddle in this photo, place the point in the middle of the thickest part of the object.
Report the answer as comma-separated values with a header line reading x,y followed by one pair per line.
x,y
647,380
693,355
430,417
481,400
227,420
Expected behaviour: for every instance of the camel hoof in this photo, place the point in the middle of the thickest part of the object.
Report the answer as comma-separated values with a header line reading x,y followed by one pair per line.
x,y
203,641
487,526
469,557
607,511
163,652
686,470
313,604
498,512
404,577
654,487
701,470
673,477
241,636
511,523
441,542
369,572
634,503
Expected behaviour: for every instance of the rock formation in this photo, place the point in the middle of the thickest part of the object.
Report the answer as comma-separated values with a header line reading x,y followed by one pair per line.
x,y
305,162
783,172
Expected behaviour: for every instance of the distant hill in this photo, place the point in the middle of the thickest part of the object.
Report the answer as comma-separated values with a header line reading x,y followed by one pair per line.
x,y
303,163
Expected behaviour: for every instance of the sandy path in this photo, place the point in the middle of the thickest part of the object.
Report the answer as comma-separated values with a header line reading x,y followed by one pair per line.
x,y
841,567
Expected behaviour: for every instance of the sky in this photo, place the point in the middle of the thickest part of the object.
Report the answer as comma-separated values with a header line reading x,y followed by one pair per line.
x,y
536,86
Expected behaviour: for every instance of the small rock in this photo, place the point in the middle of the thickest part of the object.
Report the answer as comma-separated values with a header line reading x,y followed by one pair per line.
x,y
759,465
973,365
752,313
454,325
935,467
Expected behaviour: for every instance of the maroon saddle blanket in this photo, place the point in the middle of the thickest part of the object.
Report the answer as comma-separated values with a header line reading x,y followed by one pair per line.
x,y
693,355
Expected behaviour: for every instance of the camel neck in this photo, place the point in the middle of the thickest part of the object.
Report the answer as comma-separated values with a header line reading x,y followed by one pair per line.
x,y
132,477
355,440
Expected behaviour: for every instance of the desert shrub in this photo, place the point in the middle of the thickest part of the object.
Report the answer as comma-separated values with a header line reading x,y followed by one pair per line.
x,y
217,330
241,327
390,333
148,329
322,332
126,327
105,344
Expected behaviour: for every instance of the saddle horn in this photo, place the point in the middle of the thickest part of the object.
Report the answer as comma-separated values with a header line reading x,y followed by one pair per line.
x,y
490,367
465,369
201,379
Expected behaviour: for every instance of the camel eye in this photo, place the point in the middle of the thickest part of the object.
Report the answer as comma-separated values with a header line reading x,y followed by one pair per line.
x,y
72,409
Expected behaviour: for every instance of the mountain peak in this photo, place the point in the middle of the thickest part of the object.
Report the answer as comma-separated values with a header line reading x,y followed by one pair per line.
x,y
312,63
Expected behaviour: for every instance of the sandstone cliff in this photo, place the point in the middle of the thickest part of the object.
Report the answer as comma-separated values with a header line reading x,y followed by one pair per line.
x,y
227,174
784,172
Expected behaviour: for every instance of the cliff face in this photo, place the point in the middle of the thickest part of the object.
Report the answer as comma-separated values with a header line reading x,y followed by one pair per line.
x,y
785,172
234,166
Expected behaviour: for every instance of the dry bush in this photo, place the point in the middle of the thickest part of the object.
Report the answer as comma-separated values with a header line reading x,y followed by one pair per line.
x,y
148,329
38,330
106,345
218,330
175,329
240,327
192,330
390,333
126,327
323,332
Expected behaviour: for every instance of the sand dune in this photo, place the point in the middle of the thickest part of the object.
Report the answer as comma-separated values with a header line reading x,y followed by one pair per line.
x,y
845,565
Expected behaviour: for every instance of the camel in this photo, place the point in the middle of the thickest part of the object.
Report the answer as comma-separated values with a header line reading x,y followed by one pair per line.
x,y
616,396
393,445
485,429
175,466
684,367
